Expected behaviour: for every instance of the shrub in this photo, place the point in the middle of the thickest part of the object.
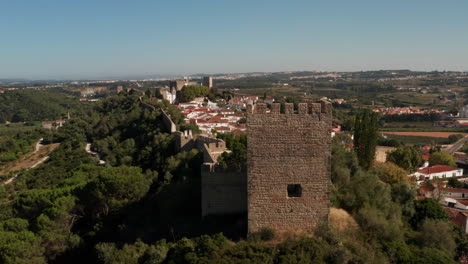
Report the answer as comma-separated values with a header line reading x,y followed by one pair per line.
x,y
264,234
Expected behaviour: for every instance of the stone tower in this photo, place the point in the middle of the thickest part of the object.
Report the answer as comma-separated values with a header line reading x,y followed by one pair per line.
x,y
288,166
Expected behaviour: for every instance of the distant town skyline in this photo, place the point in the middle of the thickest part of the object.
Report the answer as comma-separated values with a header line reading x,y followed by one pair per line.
x,y
115,39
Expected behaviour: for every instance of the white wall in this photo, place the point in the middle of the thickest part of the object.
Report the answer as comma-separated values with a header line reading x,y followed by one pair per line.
x,y
441,175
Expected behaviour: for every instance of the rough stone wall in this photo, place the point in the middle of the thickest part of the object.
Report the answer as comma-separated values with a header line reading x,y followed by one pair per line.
x,y
168,122
215,143
288,148
184,141
224,191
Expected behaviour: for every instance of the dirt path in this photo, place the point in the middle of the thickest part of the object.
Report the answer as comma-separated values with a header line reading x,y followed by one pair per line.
x,y
94,154
29,160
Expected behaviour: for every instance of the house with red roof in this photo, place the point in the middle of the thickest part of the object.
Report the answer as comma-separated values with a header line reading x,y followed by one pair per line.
x,y
456,193
438,172
462,204
458,218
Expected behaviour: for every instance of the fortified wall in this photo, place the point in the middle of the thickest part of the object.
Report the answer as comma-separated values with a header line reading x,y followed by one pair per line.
x,y
286,184
168,122
223,190
288,166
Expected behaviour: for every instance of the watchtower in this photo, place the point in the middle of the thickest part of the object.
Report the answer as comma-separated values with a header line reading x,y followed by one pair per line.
x,y
288,165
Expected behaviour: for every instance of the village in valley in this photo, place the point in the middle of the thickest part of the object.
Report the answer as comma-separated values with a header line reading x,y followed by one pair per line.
x,y
234,132
420,134
428,118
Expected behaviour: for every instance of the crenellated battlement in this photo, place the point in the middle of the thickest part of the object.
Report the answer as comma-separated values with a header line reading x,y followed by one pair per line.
x,y
318,108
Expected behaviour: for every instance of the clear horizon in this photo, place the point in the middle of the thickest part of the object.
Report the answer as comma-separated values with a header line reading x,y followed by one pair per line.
x,y
111,39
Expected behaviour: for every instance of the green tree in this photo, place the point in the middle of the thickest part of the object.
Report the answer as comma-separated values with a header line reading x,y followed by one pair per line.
x,y
407,158
454,138
427,209
20,248
391,173
188,93
366,137
442,158
438,234
114,188
454,183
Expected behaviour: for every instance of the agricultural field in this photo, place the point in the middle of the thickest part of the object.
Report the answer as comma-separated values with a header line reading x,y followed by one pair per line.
x,y
409,125
422,134
273,91
413,98
418,140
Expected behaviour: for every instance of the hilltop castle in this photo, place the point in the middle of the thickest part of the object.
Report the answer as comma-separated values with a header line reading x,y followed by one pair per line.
x,y
286,184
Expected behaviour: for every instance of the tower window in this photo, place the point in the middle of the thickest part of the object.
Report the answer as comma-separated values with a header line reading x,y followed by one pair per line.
x,y
294,190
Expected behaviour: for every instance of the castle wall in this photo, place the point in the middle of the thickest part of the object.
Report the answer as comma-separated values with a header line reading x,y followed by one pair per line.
x,y
224,191
213,142
168,122
288,166
184,141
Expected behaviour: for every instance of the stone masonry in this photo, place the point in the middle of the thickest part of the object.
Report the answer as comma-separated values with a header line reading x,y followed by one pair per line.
x,y
288,166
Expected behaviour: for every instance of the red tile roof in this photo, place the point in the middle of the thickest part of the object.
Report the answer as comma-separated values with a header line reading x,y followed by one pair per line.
x,y
436,169
464,202
456,217
456,190
426,156
222,128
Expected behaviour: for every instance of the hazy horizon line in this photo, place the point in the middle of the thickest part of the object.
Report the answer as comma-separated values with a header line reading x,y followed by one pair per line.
x,y
125,77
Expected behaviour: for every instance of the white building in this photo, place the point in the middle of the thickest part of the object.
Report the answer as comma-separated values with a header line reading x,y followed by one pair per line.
x,y
456,193
438,172
464,112
462,204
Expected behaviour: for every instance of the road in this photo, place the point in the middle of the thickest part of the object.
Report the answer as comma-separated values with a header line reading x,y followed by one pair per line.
x,y
95,154
456,146
38,146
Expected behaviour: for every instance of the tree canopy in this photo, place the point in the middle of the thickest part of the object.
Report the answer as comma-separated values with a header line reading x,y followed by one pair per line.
x,y
365,137
190,92
407,158
442,158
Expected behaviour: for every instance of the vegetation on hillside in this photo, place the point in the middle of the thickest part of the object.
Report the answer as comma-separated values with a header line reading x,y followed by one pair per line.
x,y
188,93
34,105
144,207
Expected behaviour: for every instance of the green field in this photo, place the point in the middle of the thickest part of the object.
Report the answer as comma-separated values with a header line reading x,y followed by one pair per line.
x,y
273,91
417,140
415,99
424,129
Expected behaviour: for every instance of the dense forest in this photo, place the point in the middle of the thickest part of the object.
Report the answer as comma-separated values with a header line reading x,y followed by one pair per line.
x,y
34,105
144,206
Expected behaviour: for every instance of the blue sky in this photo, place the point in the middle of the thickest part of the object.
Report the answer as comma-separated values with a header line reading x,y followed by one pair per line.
x,y
101,38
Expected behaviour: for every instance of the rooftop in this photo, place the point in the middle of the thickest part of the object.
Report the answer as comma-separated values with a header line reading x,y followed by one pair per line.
x,y
436,169
456,190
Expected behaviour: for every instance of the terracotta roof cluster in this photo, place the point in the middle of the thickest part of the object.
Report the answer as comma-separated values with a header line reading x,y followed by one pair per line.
x,y
223,120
